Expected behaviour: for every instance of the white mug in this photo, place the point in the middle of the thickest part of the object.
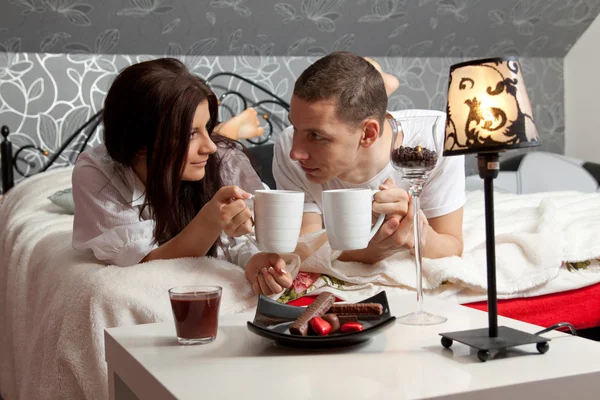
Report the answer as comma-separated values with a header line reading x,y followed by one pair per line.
x,y
277,220
348,216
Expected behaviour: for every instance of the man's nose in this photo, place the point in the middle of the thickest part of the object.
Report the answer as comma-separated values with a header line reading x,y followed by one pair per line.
x,y
298,153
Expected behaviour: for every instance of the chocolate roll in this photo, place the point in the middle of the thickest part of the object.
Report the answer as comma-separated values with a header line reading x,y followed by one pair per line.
x,y
346,318
322,303
357,309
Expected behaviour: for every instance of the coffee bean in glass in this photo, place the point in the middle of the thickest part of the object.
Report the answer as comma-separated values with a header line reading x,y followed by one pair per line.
x,y
414,157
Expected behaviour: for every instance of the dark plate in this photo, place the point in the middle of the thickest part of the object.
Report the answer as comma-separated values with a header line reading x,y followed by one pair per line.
x,y
273,319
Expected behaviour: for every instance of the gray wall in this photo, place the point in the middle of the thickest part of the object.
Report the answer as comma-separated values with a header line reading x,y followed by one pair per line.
x,y
45,97
57,57
415,28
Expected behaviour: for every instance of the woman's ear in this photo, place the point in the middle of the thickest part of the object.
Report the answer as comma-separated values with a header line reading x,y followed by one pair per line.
x,y
139,166
141,154
140,157
370,132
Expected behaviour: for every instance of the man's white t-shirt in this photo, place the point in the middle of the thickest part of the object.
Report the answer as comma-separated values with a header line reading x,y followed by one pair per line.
x,y
443,193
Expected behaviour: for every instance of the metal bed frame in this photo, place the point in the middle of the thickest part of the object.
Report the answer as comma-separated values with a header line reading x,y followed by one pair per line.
x,y
10,160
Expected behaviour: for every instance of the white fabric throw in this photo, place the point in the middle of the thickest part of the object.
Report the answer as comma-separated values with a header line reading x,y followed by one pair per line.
x,y
534,235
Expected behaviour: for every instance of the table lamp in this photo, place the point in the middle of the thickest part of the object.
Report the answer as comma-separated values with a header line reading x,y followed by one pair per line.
x,y
488,112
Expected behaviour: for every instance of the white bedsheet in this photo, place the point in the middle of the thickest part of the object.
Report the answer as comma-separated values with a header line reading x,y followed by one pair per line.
x,y
55,302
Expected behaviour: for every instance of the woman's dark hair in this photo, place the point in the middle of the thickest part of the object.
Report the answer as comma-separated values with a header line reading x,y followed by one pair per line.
x,y
150,107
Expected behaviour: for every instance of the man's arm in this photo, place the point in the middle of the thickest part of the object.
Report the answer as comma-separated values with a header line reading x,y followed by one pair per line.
x,y
311,222
444,236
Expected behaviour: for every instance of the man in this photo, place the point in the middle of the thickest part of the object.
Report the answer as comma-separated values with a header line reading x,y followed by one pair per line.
x,y
341,138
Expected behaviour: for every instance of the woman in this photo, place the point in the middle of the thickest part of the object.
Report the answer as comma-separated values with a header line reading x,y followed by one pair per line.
x,y
162,185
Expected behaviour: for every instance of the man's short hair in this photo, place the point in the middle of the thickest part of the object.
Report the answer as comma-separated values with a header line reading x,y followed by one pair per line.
x,y
348,79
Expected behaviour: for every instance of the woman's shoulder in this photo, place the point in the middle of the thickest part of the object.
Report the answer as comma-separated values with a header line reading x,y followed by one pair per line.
x,y
232,155
95,169
96,157
227,148
93,161
236,168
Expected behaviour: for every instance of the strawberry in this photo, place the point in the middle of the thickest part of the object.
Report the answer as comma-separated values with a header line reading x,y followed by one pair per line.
x,y
320,326
352,326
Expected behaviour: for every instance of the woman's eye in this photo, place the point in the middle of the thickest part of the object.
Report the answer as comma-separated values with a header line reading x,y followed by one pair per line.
x,y
193,135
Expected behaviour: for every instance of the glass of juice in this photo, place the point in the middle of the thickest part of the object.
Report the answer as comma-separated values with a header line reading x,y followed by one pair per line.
x,y
196,313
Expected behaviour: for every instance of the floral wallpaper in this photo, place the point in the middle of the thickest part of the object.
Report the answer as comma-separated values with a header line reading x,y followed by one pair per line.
x,y
410,28
44,97
57,57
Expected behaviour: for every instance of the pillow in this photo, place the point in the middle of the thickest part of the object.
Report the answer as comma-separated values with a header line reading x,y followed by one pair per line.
x,y
64,199
261,158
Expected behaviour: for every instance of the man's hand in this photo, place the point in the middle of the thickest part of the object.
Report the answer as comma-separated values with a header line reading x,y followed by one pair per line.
x,y
391,200
395,234
267,273
388,241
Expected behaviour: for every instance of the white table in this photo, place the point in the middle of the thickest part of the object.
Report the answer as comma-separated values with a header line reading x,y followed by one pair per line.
x,y
404,362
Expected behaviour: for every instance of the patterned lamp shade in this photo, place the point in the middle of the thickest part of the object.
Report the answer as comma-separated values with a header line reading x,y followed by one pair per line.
x,y
488,108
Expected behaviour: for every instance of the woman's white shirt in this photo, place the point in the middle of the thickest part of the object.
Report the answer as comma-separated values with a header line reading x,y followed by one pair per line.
x,y
109,197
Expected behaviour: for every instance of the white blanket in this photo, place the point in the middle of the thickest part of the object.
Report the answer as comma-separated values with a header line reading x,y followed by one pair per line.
x,y
55,302
535,234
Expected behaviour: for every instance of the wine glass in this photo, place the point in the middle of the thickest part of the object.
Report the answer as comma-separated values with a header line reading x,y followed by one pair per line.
x,y
415,152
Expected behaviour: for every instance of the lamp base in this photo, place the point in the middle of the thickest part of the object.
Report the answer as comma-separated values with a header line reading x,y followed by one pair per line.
x,y
507,337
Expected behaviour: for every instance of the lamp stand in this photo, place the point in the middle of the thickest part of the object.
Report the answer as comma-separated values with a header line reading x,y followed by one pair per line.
x,y
493,338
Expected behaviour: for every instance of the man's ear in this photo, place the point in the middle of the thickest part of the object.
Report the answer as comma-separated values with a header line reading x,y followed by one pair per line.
x,y
370,132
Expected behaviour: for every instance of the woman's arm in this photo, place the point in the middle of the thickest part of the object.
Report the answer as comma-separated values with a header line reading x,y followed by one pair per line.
x,y
195,240
236,168
226,212
109,225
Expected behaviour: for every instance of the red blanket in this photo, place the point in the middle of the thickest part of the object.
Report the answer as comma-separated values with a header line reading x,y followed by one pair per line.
x,y
580,308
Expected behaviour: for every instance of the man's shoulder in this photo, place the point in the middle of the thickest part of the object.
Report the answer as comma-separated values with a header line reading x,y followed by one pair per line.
x,y
415,112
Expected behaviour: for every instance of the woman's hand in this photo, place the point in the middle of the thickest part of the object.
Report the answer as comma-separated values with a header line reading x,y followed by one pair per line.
x,y
267,273
228,210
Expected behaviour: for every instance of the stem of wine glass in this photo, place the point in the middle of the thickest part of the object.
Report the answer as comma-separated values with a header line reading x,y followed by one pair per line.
x,y
415,191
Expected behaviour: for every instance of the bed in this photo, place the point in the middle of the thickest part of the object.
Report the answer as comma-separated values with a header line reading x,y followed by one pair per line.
x,y
55,302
